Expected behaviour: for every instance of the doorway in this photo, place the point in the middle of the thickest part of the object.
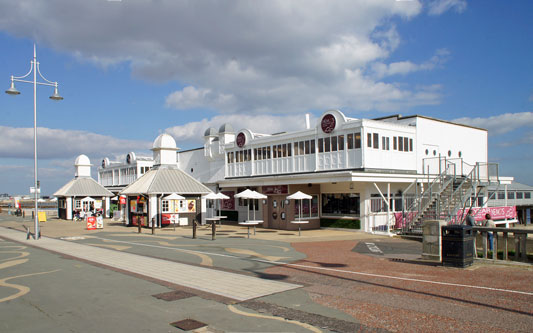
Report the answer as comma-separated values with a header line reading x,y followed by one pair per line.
x,y
277,212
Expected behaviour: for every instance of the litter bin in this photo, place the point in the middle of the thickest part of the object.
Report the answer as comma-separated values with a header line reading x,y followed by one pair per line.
x,y
457,245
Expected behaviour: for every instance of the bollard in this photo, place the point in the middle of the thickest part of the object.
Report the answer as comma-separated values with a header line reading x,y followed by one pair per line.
x,y
153,225
213,230
194,225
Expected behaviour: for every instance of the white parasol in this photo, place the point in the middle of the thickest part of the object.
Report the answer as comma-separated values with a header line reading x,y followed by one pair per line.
x,y
300,196
249,194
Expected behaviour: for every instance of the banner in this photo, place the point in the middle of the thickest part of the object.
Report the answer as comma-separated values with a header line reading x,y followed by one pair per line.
x,y
99,222
91,223
496,213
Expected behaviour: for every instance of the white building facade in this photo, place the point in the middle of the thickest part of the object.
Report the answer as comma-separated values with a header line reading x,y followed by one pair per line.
x,y
354,169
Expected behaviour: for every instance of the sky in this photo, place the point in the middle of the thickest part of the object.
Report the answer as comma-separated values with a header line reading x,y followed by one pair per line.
x,y
130,70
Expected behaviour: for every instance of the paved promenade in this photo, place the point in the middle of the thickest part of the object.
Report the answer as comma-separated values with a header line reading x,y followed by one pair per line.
x,y
235,286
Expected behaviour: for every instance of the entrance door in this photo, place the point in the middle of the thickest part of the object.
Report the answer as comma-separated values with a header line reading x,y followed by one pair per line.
x,y
277,212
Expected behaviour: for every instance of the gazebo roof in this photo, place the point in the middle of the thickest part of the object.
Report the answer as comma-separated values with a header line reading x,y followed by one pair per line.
x,y
166,181
83,187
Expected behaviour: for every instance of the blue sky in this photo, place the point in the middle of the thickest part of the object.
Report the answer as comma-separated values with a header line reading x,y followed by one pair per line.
x,y
132,69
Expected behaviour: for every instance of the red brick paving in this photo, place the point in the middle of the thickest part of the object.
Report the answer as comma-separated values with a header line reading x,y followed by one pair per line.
x,y
407,306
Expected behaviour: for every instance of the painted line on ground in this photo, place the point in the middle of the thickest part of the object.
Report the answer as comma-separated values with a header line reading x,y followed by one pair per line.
x,y
279,263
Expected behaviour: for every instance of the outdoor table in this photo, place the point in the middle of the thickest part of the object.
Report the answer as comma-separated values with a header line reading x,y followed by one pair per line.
x,y
299,222
220,218
249,223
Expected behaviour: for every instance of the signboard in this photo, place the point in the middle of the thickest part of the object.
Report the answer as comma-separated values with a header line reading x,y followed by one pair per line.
x,y
91,223
278,189
32,190
122,200
328,123
241,140
98,204
42,216
496,213
228,204
99,222
133,206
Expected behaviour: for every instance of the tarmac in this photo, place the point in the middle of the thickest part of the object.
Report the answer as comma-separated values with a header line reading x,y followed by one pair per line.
x,y
59,236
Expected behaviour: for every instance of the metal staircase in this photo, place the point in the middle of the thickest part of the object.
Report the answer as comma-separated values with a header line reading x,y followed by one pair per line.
x,y
445,197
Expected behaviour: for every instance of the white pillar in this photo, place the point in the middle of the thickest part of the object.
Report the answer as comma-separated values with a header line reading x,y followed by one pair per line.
x,y
152,209
69,207
107,206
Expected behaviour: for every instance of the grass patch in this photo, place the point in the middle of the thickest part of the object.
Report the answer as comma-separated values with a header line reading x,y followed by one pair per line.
x,y
340,223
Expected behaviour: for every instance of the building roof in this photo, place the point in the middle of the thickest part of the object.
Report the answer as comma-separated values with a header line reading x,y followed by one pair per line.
x,y
83,187
164,141
514,186
166,180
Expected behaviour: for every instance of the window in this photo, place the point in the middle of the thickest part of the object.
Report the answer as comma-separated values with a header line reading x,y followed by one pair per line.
x,y
510,195
77,204
274,152
312,146
410,144
527,195
340,142
327,146
268,152
519,195
383,144
406,144
165,207
320,145
400,143
394,143
357,139
376,140
279,152
369,140
307,147
501,195
350,141
333,143
289,152
340,204
296,149
306,211
301,148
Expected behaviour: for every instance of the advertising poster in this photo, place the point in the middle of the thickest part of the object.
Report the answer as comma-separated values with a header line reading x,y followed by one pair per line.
x,y
98,204
228,204
99,222
133,206
191,206
91,223
122,200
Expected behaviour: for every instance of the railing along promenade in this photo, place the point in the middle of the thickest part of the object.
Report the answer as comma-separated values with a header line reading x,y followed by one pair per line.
x,y
505,239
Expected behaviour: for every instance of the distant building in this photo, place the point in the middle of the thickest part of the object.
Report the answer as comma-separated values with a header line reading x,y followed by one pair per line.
x,y
82,194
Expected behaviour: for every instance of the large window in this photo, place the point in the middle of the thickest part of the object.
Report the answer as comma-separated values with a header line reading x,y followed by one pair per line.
x,y
307,211
340,204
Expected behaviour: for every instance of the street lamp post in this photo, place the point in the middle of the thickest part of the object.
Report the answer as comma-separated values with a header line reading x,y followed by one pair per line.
x,y
56,97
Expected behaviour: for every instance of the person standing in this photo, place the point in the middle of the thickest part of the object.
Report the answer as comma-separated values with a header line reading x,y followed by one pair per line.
x,y
489,223
470,220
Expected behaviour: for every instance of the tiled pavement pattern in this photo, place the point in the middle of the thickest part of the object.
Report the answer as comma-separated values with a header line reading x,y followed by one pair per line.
x,y
235,286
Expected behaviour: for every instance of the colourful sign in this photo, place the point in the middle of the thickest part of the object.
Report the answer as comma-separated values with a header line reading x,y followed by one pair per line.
x,y
496,213
99,222
122,200
91,223
42,216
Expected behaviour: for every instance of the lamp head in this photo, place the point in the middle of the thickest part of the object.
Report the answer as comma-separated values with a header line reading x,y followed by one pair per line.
x,y
12,90
56,96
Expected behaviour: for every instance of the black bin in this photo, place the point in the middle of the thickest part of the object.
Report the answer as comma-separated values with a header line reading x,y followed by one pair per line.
x,y
457,245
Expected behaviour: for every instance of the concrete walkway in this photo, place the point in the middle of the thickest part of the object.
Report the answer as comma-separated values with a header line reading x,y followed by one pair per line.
x,y
230,285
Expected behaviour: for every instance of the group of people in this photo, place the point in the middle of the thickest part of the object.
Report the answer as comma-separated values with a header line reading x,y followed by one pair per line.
x,y
488,222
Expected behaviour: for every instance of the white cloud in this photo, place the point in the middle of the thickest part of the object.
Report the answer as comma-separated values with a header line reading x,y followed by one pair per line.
x,y
56,143
500,124
263,124
238,56
438,7
381,70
